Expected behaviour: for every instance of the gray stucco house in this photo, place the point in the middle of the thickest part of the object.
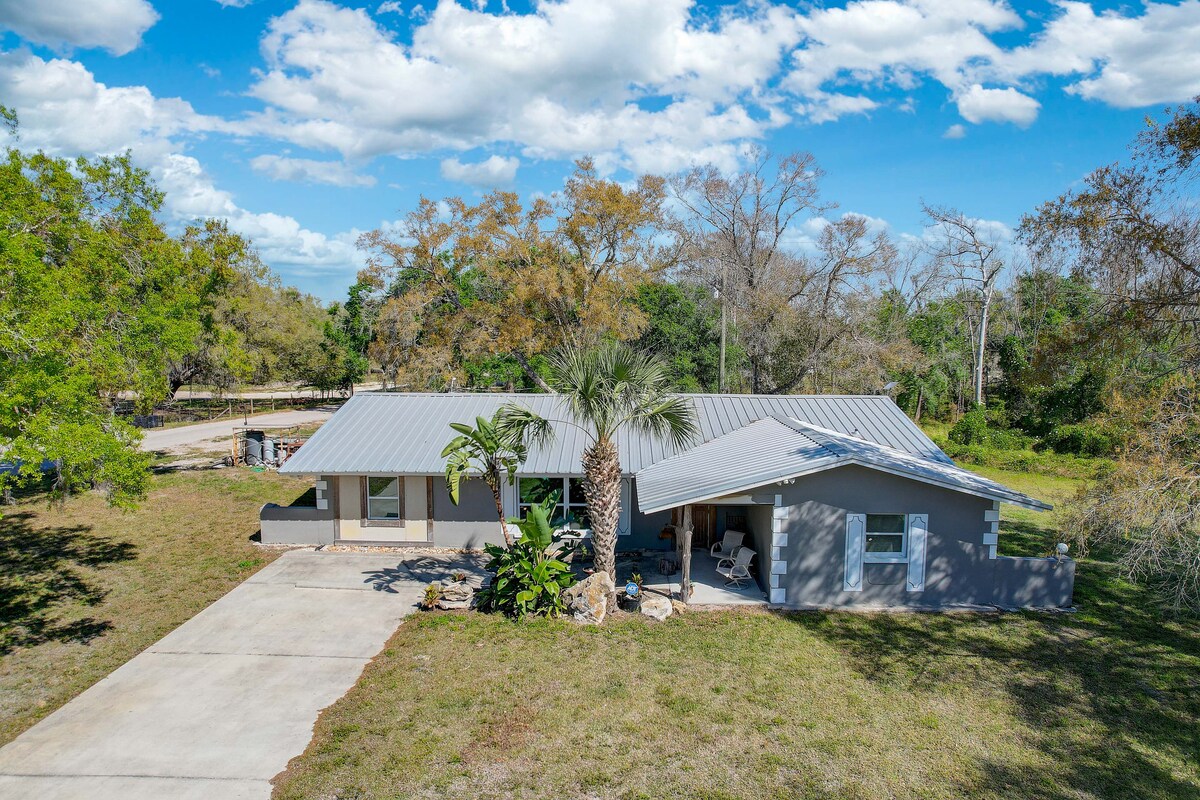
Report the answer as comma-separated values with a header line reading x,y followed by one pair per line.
x,y
846,501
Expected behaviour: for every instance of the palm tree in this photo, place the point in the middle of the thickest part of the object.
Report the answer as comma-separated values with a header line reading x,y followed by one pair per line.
x,y
488,451
603,390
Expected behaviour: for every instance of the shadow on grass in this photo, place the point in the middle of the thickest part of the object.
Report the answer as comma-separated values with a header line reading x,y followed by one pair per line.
x,y
1111,694
40,573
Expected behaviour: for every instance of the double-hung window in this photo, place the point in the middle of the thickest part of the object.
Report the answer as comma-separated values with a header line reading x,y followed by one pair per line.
x,y
383,502
571,502
886,538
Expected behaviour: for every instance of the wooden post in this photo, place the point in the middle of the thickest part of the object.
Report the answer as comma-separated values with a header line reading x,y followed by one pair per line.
x,y
685,582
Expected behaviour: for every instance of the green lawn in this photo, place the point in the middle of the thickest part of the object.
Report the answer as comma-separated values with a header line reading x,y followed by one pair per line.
x,y
1104,703
84,588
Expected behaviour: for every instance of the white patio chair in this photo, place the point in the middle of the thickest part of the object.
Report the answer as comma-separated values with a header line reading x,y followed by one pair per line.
x,y
727,547
736,570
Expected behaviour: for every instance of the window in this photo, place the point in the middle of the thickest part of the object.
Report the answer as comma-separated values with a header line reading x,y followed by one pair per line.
x,y
886,538
382,500
532,491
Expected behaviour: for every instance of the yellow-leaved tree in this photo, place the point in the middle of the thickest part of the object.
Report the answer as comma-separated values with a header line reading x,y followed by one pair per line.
x,y
512,279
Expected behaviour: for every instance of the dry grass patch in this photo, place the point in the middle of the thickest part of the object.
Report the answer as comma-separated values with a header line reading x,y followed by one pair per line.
x,y
84,588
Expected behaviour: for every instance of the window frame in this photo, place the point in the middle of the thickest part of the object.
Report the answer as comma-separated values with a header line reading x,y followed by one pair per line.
x,y
367,521
564,497
877,557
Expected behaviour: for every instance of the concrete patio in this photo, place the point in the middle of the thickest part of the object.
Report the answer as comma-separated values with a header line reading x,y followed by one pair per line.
x,y
708,588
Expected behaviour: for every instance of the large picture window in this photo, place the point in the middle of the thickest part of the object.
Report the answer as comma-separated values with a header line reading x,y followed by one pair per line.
x,y
571,503
383,500
886,538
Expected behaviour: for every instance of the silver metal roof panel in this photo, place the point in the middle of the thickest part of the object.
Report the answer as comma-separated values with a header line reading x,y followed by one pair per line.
x,y
780,448
404,433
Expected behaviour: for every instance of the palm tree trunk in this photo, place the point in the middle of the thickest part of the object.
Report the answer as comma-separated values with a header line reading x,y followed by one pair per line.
x,y
495,487
602,490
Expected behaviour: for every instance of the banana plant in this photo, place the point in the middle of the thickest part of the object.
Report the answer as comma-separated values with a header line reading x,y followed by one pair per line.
x,y
483,451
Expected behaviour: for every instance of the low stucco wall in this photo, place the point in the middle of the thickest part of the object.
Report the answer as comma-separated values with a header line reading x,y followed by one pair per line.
x,y
295,525
1033,582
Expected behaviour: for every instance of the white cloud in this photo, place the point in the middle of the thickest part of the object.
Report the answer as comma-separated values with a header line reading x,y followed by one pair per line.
x,y
1127,61
616,79
51,99
495,172
978,104
955,131
115,25
894,44
305,170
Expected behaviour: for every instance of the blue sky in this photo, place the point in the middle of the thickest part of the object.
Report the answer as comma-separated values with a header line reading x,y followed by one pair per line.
x,y
306,122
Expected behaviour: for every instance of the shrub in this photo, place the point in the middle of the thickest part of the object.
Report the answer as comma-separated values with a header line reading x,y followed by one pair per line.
x,y
972,429
433,593
528,579
1085,439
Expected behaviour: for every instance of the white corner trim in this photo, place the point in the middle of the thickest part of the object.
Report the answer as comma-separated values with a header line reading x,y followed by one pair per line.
x,y
991,538
779,540
322,504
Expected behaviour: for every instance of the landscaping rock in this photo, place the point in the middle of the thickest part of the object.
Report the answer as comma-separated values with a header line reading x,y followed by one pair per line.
x,y
588,599
678,606
456,594
656,606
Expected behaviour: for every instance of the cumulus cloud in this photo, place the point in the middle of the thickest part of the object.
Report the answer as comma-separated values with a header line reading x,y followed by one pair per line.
x,y
495,172
1126,61
570,77
51,97
978,104
955,131
115,25
305,170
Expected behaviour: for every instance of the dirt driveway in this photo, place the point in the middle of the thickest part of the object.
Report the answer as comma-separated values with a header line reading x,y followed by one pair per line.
x,y
186,437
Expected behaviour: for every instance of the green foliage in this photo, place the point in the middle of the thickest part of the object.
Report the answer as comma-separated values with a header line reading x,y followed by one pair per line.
x,y
684,330
527,578
433,593
95,299
972,428
486,449
346,337
1084,439
1025,460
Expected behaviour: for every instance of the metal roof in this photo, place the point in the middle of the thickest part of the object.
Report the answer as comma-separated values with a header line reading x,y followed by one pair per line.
x,y
404,433
779,448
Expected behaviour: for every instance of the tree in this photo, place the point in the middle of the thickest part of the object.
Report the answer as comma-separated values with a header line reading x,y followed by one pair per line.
x,y
683,327
461,282
250,327
971,256
1147,509
95,299
736,230
604,389
489,450
1133,233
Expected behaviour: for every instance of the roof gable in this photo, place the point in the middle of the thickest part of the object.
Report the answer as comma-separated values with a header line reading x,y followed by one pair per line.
x,y
781,448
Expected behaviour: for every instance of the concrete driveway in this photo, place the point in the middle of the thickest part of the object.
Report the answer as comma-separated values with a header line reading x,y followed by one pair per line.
x,y
219,706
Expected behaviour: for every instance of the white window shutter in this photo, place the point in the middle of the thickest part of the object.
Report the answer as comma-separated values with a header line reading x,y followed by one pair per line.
x,y
623,523
918,532
856,529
